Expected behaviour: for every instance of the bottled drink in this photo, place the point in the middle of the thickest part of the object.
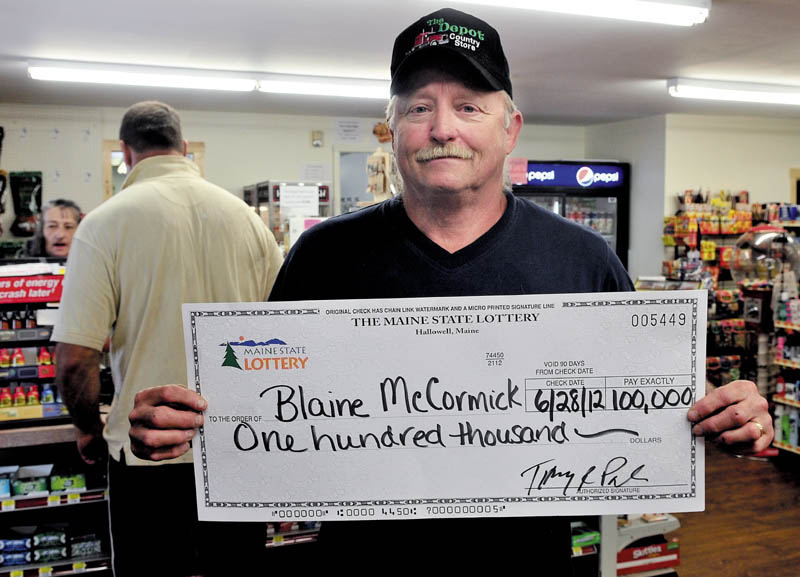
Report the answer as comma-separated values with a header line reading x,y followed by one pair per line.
x,y
18,359
44,356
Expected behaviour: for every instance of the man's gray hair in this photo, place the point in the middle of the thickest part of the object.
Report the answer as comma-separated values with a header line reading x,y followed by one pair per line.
x,y
151,125
391,120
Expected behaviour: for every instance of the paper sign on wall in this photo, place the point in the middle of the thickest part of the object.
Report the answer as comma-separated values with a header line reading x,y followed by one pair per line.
x,y
349,130
299,200
314,172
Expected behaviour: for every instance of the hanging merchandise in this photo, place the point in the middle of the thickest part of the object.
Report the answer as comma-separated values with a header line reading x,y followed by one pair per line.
x,y
382,132
26,192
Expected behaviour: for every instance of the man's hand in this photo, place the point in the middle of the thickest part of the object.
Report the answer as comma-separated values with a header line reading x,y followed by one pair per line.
x,y
91,446
163,420
735,416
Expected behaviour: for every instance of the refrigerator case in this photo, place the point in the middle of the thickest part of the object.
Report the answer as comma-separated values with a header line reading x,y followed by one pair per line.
x,y
594,194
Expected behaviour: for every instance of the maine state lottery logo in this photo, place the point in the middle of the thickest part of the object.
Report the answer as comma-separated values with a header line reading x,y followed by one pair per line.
x,y
271,355
585,176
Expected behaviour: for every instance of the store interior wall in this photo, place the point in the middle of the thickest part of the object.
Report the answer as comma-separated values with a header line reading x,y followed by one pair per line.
x,y
640,142
733,154
65,143
668,153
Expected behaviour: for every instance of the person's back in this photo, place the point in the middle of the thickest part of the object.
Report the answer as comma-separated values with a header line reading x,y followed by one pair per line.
x,y
169,237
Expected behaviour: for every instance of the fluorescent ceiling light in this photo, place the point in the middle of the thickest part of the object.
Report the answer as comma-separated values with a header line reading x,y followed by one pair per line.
x,y
324,86
733,91
139,76
673,12
208,80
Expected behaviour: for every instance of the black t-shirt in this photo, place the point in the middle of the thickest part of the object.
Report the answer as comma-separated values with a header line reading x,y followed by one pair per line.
x,y
378,252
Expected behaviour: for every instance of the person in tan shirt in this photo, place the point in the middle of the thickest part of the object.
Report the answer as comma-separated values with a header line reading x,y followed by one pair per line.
x,y
169,237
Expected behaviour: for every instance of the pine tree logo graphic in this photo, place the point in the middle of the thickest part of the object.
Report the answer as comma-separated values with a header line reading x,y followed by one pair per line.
x,y
230,359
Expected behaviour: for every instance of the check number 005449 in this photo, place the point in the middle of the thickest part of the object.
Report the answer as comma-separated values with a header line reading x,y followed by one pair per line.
x,y
645,320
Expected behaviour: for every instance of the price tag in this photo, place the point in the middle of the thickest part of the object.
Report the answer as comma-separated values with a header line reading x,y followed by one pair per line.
x,y
79,566
9,505
73,498
53,500
17,573
277,540
45,571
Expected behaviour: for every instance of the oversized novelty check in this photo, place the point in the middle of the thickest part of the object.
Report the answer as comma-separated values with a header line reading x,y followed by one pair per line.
x,y
448,407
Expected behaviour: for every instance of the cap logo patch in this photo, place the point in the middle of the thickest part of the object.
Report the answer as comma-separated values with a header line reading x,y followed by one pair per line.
x,y
442,32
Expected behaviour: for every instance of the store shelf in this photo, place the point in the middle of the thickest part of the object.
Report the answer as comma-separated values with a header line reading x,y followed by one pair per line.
x,y
22,503
654,572
786,447
33,415
32,436
785,223
584,551
639,529
28,373
785,363
292,538
25,337
56,569
788,326
785,401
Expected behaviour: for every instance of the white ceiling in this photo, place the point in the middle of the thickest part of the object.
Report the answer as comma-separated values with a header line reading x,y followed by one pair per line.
x,y
565,69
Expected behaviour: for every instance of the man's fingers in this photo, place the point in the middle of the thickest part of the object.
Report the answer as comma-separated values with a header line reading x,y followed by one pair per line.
x,y
92,448
156,439
175,395
733,417
747,439
164,417
748,433
158,445
739,411
722,397
160,454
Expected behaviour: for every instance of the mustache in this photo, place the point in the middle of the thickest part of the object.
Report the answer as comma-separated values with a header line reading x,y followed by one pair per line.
x,y
443,151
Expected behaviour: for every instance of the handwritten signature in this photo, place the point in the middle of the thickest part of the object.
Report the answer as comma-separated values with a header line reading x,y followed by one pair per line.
x,y
615,473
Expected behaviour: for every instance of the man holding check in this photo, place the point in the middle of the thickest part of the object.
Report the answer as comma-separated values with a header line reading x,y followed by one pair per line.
x,y
456,230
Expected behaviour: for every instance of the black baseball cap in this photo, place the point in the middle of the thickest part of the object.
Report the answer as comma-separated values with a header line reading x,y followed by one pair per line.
x,y
454,41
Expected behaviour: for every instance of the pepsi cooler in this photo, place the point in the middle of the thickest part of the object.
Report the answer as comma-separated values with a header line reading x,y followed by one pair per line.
x,y
594,194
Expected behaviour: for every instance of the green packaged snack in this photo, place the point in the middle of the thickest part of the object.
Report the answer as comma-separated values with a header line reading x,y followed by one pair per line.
x,y
49,554
50,538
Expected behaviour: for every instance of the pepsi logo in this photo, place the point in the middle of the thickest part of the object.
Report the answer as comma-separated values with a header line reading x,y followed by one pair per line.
x,y
585,176
541,175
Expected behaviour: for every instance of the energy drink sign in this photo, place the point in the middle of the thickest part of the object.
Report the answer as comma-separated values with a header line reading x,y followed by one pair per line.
x,y
590,176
